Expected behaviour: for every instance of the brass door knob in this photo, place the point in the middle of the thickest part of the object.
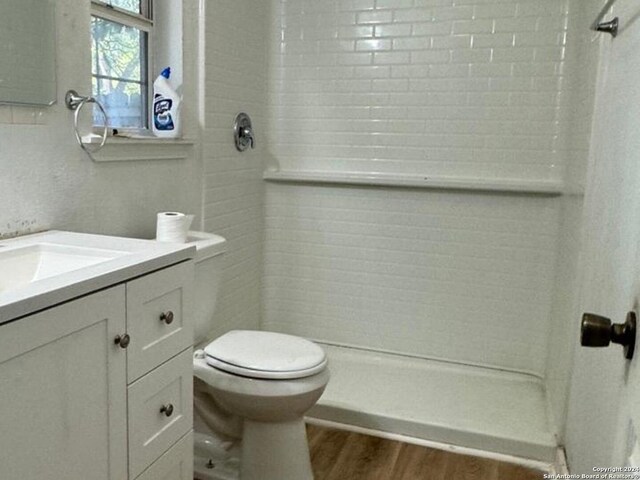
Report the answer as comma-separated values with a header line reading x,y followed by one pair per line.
x,y
167,317
598,331
122,340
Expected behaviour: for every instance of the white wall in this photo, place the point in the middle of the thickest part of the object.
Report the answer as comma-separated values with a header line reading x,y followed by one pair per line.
x,y
234,58
469,88
46,181
428,87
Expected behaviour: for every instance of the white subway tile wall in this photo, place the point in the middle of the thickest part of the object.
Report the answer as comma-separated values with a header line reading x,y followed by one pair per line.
x,y
469,88
235,81
464,277
437,87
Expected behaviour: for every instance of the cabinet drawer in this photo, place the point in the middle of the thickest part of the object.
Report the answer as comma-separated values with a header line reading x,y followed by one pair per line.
x,y
160,411
159,317
176,464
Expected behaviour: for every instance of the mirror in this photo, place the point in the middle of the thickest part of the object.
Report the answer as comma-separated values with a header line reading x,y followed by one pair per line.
x,y
27,52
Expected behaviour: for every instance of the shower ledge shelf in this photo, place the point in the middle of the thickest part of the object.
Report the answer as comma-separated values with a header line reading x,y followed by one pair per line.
x,y
540,187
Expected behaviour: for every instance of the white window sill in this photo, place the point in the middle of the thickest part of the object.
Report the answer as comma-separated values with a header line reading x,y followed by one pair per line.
x,y
124,149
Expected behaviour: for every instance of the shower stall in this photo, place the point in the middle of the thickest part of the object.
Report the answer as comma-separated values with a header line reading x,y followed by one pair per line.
x,y
413,203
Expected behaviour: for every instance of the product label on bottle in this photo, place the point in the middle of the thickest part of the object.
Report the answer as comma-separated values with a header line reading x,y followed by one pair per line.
x,y
161,113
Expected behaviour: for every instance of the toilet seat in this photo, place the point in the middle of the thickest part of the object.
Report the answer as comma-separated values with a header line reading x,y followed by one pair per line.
x,y
265,355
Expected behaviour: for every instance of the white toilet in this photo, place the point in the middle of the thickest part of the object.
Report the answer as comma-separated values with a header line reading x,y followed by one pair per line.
x,y
253,384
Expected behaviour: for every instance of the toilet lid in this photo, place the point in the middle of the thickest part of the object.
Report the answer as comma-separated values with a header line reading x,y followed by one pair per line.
x,y
265,355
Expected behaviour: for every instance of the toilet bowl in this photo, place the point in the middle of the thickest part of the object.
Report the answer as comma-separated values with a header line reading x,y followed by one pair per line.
x,y
270,380
252,384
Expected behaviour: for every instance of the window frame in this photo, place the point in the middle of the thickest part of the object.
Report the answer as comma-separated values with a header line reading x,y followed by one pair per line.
x,y
143,22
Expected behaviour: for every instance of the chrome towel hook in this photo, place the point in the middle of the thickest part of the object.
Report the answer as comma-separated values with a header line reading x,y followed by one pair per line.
x,y
75,102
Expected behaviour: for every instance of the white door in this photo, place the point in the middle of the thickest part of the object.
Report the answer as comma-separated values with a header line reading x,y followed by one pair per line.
x,y
63,392
604,405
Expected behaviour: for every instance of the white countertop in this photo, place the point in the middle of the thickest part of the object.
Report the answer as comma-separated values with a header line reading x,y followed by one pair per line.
x,y
134,258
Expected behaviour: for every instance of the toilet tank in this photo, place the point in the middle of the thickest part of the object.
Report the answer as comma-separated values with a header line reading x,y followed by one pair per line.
x,y
208,268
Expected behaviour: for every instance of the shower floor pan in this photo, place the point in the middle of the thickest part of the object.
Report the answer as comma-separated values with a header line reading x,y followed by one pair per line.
x,y
461,405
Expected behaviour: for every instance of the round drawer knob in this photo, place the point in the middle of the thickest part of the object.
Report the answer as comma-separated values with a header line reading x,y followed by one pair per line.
x,y
167,317
122,340
167,410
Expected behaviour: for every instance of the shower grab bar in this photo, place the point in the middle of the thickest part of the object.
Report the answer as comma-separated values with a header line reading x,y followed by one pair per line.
x,y
610,27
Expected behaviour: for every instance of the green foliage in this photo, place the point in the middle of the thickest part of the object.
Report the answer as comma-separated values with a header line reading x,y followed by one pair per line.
x,y
116,49
130,5
118,52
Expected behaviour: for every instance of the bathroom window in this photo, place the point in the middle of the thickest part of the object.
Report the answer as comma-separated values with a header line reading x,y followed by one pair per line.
x,y
120,54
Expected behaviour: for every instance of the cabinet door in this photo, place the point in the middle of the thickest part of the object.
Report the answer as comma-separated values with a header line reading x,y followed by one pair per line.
x,y
63,392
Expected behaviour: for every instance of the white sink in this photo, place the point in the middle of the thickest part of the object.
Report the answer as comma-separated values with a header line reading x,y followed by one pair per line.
x,y
23,265
45,269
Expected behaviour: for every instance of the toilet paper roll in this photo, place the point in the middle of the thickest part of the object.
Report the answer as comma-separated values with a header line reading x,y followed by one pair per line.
x,y
173,227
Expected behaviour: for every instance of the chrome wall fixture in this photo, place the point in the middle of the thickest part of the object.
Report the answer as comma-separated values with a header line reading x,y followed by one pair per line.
x,y
243,132
75,102
611,26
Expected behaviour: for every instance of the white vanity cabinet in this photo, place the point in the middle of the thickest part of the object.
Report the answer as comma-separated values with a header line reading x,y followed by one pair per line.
x,y
74,404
